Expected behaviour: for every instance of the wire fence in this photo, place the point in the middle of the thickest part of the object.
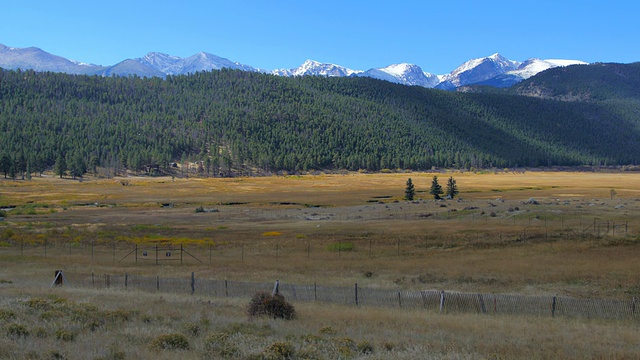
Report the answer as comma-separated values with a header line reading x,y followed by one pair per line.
x,y
433,300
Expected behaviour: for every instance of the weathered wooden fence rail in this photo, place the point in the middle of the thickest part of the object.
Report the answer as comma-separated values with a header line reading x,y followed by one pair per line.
x,y
434,300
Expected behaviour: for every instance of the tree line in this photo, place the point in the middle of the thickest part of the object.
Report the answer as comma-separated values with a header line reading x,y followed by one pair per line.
x,y
232,122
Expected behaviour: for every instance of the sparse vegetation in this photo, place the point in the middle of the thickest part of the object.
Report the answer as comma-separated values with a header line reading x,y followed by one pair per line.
x,y
170,342
465,246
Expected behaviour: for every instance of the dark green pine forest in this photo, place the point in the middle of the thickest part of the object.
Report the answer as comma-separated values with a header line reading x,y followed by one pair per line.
x,y
231,122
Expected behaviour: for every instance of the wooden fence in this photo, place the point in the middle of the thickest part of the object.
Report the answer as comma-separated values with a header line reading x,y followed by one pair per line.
x,y
433,300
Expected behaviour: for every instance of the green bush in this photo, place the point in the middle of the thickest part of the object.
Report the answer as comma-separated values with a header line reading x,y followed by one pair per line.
x,y
265,304
341,246
170,342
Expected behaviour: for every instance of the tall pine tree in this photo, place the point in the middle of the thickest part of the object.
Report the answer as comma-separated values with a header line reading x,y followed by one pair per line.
x,y
436,189
452,188
409,191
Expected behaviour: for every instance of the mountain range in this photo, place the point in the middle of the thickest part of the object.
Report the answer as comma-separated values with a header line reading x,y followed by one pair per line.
x,y
494,70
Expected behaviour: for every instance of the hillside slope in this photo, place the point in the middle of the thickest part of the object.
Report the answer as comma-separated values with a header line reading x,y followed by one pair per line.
x,y
238,122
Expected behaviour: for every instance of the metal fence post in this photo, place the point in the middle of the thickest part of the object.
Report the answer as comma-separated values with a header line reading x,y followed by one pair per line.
x,y
441,300
193,283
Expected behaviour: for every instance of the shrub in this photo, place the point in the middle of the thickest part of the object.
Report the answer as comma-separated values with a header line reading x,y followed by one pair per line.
x,y
264,304
199,209
170,342
365,347
341,246
327,330
40,332
192,329
272,233
346,347
6,314
279,350
14,330
218,344
65,335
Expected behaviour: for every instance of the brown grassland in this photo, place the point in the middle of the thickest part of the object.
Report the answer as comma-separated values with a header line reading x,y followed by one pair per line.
x,y
580,239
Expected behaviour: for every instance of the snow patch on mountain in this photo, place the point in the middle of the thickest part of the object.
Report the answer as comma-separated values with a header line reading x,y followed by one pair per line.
x,y
534,66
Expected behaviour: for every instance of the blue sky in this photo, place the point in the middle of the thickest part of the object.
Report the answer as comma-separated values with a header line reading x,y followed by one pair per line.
x,y
436,35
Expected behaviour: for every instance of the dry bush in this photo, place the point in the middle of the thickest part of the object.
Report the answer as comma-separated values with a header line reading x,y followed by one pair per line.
x,y
275,306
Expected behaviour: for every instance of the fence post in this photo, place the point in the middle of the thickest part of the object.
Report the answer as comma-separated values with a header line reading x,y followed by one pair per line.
x,y
441,300
356,292
315,292
399,300
193,283
553,307
93,280
482,308
226,288
157,279
126,280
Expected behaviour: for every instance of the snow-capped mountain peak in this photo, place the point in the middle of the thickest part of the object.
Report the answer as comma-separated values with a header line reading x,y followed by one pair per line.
x,y
478,70
316,68
403,73
159,61
493,70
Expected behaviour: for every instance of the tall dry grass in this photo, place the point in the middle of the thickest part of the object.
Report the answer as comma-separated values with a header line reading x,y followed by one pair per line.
x,y
264,229
106,324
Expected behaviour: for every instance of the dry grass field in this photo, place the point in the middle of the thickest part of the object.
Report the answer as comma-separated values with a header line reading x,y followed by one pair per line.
x,y
578,239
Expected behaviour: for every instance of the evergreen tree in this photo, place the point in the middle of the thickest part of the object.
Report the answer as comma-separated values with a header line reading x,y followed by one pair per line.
x,y
93,164
409,191
5,164
60,167
436,189
452,188
77,166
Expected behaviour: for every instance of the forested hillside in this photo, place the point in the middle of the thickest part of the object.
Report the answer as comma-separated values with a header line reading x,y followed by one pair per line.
x,y
595,82
235,122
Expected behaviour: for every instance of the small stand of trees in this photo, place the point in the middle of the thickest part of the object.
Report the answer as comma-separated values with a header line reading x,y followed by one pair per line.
x,y
435,190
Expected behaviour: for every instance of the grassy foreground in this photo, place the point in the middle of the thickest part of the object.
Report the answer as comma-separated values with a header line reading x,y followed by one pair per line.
x,y
580,239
